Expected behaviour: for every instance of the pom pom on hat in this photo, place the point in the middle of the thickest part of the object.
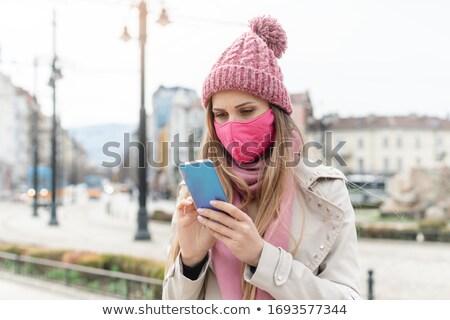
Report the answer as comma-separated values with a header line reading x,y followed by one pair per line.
x,y
250,65
268,29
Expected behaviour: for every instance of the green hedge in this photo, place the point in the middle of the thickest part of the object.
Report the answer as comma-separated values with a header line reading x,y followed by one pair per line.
x,y
113,262
382,231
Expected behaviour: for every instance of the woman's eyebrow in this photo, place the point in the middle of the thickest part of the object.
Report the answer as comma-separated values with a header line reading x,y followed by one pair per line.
x,y
239,105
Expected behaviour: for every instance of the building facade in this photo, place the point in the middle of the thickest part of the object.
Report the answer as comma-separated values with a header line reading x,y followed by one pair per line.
x,y
177,116
384,145
22,124
7,139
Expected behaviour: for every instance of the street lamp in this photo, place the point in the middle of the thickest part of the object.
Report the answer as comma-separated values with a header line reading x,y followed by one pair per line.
x,y
143,232
55,76
35,149
163,19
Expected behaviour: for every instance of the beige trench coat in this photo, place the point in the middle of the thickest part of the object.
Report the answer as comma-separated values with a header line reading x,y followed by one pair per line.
x,y
325,265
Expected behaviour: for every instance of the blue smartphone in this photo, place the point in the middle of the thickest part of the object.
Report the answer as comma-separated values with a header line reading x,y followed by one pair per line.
x,y
203,182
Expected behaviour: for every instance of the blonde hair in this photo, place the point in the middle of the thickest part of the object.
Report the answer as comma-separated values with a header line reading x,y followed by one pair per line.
x,y
274,179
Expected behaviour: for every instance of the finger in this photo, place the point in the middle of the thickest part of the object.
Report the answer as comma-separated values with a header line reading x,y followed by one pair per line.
x,y
231,209
183,203
186,207
219,217
221,237
216,226
192,202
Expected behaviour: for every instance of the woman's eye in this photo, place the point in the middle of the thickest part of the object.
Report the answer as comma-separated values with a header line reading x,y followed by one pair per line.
x,y
247,111
219,115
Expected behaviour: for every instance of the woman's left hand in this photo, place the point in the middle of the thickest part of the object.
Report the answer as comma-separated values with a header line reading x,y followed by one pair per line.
x,y
236,230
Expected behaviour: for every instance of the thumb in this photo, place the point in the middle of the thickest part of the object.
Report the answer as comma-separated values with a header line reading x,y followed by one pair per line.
x,y
192,202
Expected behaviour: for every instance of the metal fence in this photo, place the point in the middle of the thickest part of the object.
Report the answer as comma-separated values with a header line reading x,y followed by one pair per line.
x,y
111,283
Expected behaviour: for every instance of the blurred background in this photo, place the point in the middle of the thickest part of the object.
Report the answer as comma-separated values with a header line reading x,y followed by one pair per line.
x,y
84,84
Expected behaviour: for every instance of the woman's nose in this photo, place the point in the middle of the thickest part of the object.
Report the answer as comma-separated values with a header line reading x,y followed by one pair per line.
x,y
232,117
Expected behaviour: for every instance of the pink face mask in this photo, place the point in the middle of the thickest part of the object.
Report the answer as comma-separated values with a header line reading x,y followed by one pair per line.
x,y
247,140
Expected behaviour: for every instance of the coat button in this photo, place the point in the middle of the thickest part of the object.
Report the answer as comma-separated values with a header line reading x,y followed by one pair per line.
x,y
319,205
322,247
316,256
279,278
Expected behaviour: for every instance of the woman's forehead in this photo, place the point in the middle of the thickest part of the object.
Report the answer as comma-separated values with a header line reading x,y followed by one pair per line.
x,y
233,98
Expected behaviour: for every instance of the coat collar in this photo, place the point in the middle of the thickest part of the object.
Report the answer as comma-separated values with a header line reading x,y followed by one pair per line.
x,y
309,175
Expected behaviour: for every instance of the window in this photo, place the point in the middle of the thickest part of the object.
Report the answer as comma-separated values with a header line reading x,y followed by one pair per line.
x,y
386,142
361,165
417,142
400,164
360,143
386,164
418,162
399,142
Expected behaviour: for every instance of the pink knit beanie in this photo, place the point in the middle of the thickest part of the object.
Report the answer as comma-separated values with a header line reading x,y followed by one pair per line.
x,y
250,65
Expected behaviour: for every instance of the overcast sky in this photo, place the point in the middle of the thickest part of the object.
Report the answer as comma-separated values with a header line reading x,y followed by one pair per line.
x,y
355,57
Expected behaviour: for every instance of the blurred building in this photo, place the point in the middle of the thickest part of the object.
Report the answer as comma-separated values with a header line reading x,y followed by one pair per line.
x,y
302,109
7,139
18,110
21,120
177,112
73,159
384,145
27,112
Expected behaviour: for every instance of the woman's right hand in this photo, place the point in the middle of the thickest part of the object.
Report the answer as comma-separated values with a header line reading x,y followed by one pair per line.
x,y
194,239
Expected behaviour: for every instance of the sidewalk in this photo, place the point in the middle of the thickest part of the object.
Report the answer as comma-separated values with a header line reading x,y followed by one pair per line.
x,y
15,287
87,226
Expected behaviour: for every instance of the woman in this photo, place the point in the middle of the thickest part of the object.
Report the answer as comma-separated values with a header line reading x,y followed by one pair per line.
x,y
290,228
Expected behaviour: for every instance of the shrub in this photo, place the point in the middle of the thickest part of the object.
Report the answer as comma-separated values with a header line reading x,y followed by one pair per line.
x,y
45,253
429,224
90,260
161,215
10,248
113,262
379,231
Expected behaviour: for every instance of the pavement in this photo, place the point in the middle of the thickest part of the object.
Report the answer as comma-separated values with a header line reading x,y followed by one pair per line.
x,y
402,269
86,225
15,287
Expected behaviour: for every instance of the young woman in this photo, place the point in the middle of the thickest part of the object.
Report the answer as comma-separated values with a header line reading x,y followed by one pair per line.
x,y
290,229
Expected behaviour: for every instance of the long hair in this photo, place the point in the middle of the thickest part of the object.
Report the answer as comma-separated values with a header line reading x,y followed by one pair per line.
x,y
274,179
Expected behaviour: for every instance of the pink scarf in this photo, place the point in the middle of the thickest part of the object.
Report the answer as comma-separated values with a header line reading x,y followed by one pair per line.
x,y
227,267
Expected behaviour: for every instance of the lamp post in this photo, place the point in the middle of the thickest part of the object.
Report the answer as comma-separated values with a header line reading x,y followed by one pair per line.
x,y
326,138
35,149
56,75
142,231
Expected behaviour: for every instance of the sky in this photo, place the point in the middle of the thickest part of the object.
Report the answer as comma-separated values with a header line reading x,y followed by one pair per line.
x,y
355,57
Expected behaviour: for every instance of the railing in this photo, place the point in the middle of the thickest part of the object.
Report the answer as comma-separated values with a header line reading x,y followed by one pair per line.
x,y
105,282
370,284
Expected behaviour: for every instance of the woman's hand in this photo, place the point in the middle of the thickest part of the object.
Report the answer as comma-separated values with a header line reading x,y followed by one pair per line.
x,y
236,230
194,239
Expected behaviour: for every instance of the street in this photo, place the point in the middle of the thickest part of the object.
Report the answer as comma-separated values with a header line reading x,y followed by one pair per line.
x,y
402,270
